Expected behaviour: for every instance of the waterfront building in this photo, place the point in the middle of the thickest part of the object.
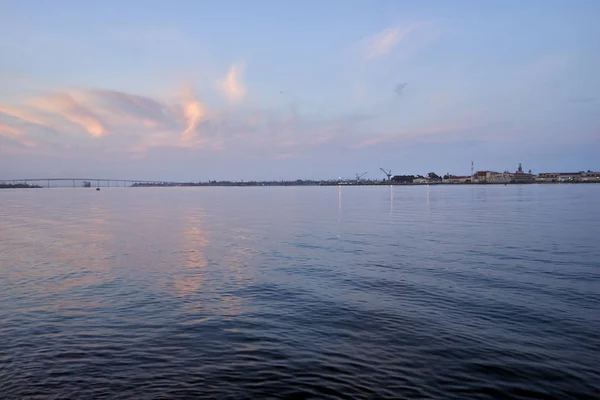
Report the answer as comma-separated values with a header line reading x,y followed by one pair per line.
x,y
457,179
582,176
522,177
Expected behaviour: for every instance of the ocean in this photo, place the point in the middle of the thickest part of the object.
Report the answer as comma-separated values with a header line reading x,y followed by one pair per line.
x,y
406,292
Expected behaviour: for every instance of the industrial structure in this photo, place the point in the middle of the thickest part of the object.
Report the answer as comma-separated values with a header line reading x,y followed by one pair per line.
x,y
387,173
360,176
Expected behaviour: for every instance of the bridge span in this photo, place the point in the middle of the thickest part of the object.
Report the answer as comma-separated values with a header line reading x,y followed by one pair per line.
x,y
87,182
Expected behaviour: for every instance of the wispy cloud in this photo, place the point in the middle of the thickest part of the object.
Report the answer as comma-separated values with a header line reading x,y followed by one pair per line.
x,y
420,133
581,99
26,115
287,156
122,108
231,85
382,43
378,55
400,88
73,111
9,131
124,122
193,112
16,135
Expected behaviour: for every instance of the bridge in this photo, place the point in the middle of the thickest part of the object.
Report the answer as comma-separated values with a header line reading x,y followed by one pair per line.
x,y
81,182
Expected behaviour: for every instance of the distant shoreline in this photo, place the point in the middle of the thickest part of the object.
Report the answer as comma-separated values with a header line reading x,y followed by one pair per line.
x,y
476,178
19,186
297,184
249,184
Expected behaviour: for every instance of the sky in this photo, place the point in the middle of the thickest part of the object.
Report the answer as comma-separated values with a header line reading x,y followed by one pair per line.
x,y
260,90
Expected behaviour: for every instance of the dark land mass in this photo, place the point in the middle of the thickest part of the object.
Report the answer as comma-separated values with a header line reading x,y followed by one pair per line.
x,y
18,186
260,183
326,183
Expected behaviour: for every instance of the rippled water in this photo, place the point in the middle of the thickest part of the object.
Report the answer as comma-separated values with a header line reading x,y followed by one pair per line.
x,y
444,292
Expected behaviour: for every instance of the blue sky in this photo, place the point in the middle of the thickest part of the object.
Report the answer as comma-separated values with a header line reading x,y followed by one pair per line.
x,y
198,90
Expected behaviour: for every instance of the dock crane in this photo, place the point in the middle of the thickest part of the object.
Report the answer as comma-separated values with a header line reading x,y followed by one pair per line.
x,y
359,176
387,173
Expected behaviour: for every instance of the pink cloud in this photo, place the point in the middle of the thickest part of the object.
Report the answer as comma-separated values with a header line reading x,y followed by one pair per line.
x,y
288,143
26,115
135,123
286,156
254,121
231,85
194,113
322,139
10,131
17,135
66,106
381,43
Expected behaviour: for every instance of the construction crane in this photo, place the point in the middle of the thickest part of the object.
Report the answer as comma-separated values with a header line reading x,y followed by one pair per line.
x,y
387,173
359,176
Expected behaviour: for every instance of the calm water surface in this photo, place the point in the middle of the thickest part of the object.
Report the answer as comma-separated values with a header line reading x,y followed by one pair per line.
x,y
474,292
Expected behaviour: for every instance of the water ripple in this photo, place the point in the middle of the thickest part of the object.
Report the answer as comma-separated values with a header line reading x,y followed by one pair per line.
x,y
404,292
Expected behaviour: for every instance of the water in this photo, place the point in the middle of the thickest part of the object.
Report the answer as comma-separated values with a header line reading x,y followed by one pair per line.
x,y
437,292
